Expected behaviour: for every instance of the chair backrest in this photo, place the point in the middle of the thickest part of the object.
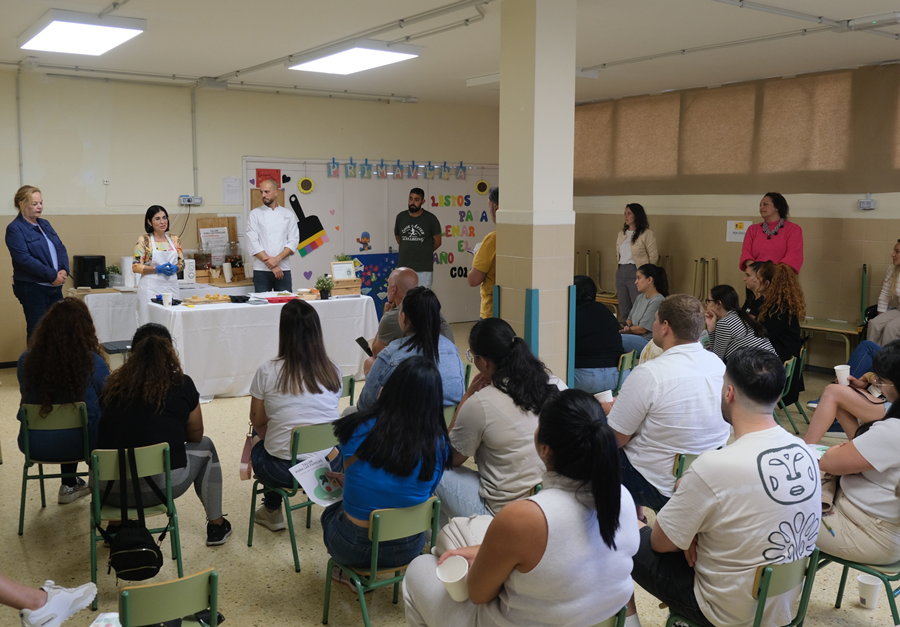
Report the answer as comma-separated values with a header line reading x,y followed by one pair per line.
x,y
537,488
349,386
683,461
449,412
159,602
392,524
780,578
68,416
802,364
311,438
788,375
151,460
626,362
468,374
616,620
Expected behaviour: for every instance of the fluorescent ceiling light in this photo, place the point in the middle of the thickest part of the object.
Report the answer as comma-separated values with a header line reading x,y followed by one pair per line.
x,y
353,56
79,33
874,21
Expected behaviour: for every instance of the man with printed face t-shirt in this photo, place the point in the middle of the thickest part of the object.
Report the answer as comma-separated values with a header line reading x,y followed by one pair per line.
x,y
418,234
756,502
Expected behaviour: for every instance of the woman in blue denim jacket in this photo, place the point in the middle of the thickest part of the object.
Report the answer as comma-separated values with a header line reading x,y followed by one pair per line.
x,y
420,318
40,261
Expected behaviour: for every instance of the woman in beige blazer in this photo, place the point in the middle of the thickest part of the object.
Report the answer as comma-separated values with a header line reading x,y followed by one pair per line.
x,y
635,246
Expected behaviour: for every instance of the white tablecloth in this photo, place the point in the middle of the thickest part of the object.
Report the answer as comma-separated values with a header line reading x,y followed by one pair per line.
x,y
221,346
114,313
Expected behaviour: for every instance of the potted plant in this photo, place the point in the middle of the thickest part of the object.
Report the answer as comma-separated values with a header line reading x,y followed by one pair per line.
x,y
343,257
324,284
114,275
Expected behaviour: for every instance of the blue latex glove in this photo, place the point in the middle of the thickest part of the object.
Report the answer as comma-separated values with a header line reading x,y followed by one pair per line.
x,y
172,269
161,269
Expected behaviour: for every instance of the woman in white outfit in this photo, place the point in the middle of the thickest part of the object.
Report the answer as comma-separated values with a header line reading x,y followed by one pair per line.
x,y
885,327
158,259
561,557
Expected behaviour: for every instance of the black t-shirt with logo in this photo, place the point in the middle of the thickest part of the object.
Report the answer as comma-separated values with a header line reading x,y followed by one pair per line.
x,y
417,240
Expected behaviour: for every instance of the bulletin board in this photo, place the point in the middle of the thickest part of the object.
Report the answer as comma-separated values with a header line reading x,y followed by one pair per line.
x,y
356,216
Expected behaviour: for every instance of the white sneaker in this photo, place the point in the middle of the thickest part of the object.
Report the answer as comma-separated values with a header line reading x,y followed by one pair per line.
x,y
62,604
273,521
67,494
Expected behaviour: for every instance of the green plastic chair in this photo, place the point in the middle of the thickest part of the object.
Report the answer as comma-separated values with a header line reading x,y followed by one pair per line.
x,y
386,525
156,603
68,416
798,405
626,362
886,573
349,388
683,461
537,488
449,411
788,375
616,620
468,375
774,580
308,439
150,460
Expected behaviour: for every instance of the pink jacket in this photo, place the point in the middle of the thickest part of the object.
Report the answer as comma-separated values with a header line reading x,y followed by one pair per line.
x,y
785,247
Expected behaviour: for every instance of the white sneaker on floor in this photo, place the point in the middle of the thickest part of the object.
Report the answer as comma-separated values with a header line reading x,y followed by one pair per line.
x,y
273,521
67,494
62,604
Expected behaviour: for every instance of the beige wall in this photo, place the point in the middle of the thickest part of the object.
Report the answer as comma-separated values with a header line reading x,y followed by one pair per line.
x,y
838,240
76,133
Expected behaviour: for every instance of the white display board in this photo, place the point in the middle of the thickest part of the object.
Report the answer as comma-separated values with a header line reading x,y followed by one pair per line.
x,y
348,208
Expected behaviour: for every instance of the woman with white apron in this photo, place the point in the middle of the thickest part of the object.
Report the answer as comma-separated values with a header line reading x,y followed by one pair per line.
x,y
157,258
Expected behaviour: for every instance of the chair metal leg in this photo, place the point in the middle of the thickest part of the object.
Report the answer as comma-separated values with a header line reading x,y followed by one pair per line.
x,y
41,475
802,411
789,417
328,570
253,494
397,587
840,594
308,515
891,594
290,523
362,601
176,545
93,561
22,504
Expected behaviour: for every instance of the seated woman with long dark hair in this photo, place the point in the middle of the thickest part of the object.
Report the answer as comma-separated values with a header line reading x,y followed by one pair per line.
x,y
653,286
560,557
495,423
394,455
782,310
420,319
63,366
730,327
299,387
598,344
865,512
150,400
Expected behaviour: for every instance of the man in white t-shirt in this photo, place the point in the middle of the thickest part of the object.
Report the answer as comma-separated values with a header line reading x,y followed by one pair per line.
x,y
670,405
757,502
272,236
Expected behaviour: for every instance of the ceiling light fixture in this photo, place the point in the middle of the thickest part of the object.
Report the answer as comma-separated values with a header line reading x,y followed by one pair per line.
x,y
353,56
874,21
79,33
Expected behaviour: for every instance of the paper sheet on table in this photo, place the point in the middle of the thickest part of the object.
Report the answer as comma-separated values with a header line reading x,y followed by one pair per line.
x,y
321,490
107,619
818,449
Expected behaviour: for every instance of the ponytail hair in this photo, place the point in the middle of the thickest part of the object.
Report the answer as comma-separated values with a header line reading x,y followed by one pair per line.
x,y
518,373
659,276
726,296
423,312
583,447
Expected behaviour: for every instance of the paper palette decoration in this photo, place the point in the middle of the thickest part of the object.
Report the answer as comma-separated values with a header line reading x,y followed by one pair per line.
x,y
412,171
429,171
365,171
482,187
305,185
334,170
461,172
445,172
381,171
350,170
399,172
312,234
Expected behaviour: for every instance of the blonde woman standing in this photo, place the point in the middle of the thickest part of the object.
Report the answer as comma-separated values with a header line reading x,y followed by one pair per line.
x,y
885,327
635,246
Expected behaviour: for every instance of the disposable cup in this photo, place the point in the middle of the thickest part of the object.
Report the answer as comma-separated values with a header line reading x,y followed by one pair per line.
x,y
452,573
842,373
167,300
604,397
869,589
226,270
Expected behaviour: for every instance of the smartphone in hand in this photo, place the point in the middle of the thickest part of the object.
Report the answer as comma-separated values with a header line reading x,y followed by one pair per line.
x,y
363,344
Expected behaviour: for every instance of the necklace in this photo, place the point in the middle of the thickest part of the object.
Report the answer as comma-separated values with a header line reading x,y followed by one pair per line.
x,y
769,234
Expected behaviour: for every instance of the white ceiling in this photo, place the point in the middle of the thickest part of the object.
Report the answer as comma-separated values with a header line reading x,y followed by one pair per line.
x,y
194,38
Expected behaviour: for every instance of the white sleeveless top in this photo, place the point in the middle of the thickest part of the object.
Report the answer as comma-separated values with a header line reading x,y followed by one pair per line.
x,y
579,581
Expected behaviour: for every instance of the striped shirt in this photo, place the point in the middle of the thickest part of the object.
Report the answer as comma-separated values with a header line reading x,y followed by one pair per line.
x,y
731,335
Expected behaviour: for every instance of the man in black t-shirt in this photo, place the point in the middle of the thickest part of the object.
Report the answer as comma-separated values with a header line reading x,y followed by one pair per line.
x,y
418,234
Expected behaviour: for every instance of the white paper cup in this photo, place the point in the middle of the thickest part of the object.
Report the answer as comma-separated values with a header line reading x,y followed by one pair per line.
x,y
869,589
226,270
167,300
452,573
842,373
604,397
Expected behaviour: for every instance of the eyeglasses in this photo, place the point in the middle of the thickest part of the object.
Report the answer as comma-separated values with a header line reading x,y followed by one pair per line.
x,y
470,356
881,383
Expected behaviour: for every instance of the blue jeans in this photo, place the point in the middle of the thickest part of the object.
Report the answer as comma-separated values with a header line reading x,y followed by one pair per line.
x,y
633,343
642,491
349,544
56,444
36,300
275,472
459,494
264,281
861,360
593,380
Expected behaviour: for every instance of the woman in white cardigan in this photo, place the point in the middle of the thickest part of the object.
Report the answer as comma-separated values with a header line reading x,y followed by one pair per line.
x,y
635,246
885,327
